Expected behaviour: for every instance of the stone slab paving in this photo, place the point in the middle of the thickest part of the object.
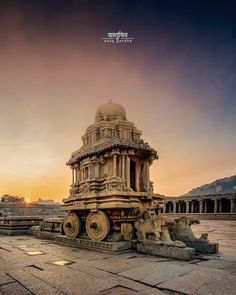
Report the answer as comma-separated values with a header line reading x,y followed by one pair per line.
x,y
14,289
219,231
5,279
94,273
155,273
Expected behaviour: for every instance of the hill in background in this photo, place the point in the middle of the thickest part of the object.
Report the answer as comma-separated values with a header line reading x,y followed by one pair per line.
x,y
223,185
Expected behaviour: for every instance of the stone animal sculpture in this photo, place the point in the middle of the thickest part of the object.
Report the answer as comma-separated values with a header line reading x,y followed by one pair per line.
x,y
181,230
148,227
156,230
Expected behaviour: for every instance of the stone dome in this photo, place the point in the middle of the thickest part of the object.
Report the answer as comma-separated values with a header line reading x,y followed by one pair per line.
x,y
110,111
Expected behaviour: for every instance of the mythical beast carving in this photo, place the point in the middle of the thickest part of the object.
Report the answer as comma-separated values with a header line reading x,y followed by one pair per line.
x,y
181,230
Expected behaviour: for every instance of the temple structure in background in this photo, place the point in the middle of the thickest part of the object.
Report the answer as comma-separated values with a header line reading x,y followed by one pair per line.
x,y
209,203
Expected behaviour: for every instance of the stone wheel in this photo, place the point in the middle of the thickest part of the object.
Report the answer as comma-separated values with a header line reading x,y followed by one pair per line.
x,y
71,225
97,226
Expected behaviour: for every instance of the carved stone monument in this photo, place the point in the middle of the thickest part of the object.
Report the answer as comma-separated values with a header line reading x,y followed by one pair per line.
x,y
110,179
111,197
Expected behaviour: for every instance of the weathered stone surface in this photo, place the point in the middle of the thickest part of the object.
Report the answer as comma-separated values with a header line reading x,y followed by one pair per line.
x,y
125,282
219,231
34,283
116,265
230,258
102,246
72,281
155,273
17,225
118,291
210,248
14,289
36,232
224,285
4,278
92,272
166,251
98,273
216,263
190,282
151,291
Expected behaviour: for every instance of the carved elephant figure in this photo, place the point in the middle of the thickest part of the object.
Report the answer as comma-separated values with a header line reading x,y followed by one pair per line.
x,y
158,227
148,226
182,231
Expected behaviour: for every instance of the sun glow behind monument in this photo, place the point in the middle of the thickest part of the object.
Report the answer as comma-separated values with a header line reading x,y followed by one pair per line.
x,y
55,71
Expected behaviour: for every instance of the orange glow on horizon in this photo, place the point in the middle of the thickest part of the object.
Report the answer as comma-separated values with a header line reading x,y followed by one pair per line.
x,y
27,200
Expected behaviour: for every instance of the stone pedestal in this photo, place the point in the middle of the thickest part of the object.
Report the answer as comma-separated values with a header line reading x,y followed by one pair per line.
x,y
210,248
153,248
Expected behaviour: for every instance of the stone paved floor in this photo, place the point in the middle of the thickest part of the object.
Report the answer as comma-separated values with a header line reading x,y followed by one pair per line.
x,y
219,231
32,266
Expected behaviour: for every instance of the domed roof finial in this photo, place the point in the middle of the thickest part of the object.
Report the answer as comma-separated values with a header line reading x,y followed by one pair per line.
x,y
110,111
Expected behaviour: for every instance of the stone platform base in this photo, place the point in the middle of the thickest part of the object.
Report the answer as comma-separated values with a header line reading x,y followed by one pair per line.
x,y
148,248
17,225
98,246
36,232
210,248
13,231
165,250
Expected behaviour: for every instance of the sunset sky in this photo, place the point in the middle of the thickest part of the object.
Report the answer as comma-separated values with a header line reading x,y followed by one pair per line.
x,y
176,80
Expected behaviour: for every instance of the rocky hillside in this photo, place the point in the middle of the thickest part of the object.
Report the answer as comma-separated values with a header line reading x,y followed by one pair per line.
x,y
224,185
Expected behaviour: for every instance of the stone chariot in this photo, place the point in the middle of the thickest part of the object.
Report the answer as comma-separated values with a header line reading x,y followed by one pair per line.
x,y
111,197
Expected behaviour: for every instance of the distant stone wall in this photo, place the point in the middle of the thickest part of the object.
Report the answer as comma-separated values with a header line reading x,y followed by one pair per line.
x,y
30,210
203,216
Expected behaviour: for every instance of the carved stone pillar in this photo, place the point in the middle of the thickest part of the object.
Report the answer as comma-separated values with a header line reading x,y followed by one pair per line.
x,y
96,168
120,166
73,175
205,206
187,206
232,209
137,173
123,166
107,167
174,207
192,207
215,205
147,176
128,171
114,164
201,206
76,173
89,172
84,178
82,174
164,208
220,206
